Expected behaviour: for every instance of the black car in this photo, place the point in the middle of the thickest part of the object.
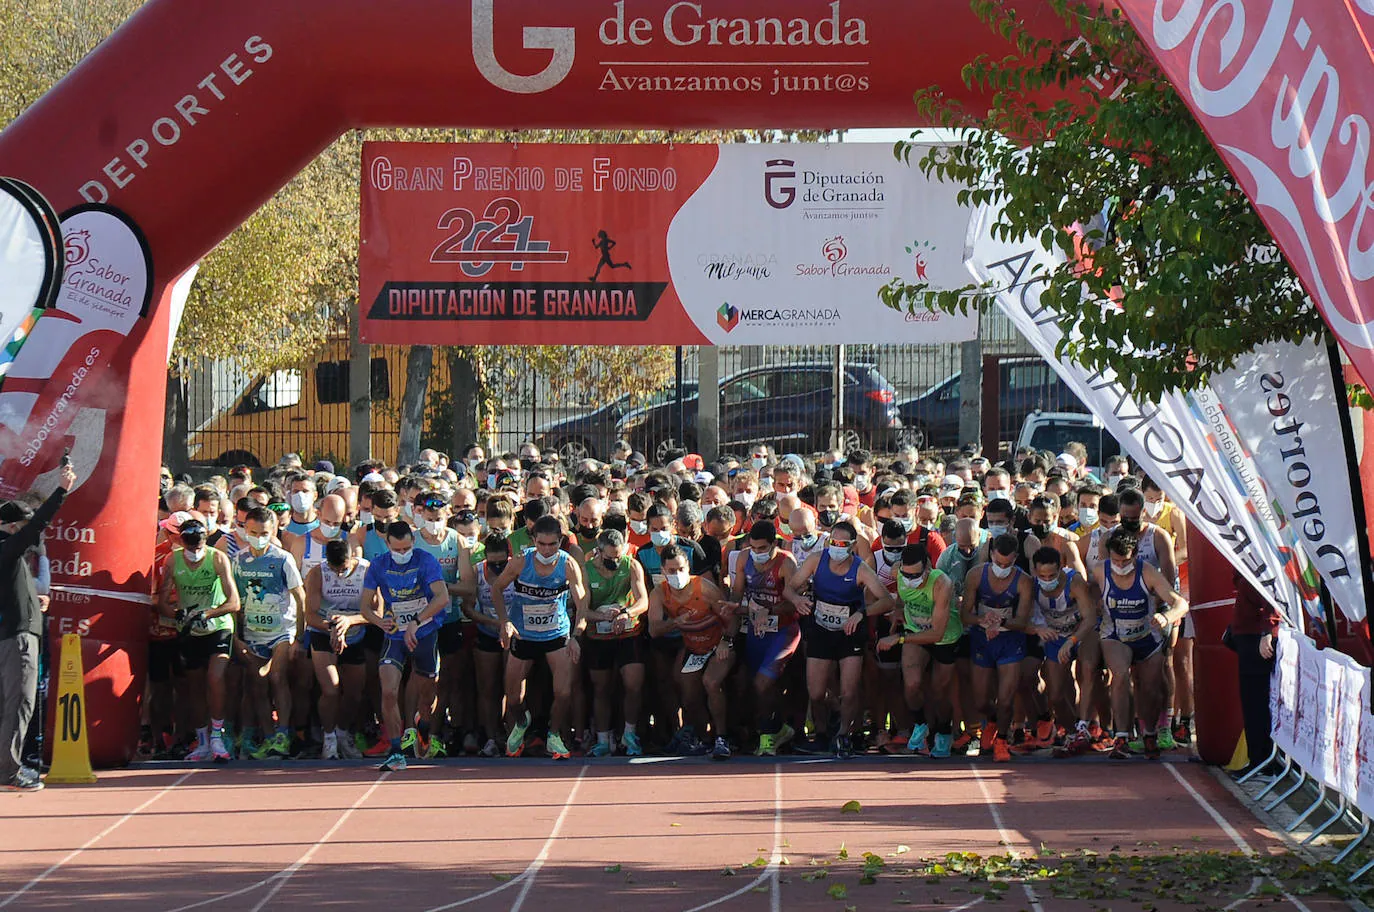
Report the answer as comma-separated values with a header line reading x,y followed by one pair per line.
x,y
1026,383
787,406
593,435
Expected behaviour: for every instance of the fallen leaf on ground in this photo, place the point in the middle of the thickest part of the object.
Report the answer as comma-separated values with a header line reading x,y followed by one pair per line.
x,y
851,807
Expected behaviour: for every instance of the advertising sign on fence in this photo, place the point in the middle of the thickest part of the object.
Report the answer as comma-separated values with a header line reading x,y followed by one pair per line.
x,y
749,244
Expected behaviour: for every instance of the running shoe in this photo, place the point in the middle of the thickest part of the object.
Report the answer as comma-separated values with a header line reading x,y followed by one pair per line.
x,y
435,749
844,747
814,746
695,747
330,750
490,749
348,748
721,751
394,764
632,746
917,742
768,745
784,736
26,780
974,748
380,749
1077,744
1044,733
410,743
1000,752
1166,740
515,743
1183,732
219,751
943,744
1151,747
247,748
470,744
600,750
962,742
200,754
897,744
557,749
1120,749
279,746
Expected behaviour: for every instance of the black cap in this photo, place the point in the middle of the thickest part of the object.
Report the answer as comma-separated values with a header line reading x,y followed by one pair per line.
x,y
324,465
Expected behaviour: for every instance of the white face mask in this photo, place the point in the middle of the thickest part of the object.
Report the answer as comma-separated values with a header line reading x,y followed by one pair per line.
x,y
678,580
997,530
408,509
546,561
196,556
302,501
1048,585
1154,508
329,531
258,542
758,462
745,497
1123,569
861,482
1001,572
639,527
1087,516
1114,480
839,553
403,557
470,541
760,559
435,527
661,538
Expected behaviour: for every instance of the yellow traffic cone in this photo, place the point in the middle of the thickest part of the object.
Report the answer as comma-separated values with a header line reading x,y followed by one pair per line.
x,y
71,754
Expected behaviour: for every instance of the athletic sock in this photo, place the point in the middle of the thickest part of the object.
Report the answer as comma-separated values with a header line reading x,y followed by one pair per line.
x,y
603,737
630,728
340,733
330,738
395,745
217,726
423,729
1082,726
919,716
284,730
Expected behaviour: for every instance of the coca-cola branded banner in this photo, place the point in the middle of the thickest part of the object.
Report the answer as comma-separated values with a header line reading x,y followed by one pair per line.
x,y
1176,441
747,244
1281,88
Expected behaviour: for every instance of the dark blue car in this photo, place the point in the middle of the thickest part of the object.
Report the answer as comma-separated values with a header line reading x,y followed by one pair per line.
x,y
1026,383
787,406
593,435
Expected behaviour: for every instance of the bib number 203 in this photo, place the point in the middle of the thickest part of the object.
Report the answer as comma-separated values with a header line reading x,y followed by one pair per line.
x,y
69,723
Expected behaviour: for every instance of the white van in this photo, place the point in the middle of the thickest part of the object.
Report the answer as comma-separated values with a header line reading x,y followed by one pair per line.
x,y
1052,431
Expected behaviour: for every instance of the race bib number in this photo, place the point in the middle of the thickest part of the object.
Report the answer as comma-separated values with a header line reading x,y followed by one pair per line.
x,y
831,617
762,620
1132,629
408,611
695,663
541,616
606,628
263,619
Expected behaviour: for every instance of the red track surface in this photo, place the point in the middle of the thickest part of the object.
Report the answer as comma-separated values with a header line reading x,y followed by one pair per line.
x,y
534,836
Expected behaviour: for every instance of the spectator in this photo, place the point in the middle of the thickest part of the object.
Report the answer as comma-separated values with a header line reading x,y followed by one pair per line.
x,y
1254,626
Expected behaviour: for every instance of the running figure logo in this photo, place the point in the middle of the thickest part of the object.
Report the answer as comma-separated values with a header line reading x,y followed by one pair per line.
x,y
605,244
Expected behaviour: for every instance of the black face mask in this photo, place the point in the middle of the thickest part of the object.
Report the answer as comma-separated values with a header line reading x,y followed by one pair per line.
x,y
829,517
610,563
589,531
1131,525
948,511
498,567
1041,530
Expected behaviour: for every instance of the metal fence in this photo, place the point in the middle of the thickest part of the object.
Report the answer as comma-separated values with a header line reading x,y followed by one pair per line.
x,y
781,395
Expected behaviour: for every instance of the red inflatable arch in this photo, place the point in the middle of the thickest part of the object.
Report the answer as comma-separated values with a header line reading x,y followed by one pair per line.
x,y
193,114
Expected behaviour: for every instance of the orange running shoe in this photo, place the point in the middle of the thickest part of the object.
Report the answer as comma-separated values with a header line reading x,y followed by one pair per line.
x,y
961,743
1000,753
990,734
381,749
1044,733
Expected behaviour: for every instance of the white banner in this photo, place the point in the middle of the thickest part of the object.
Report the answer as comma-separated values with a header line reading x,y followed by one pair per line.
x,y
1169,440
1281,402
1319,702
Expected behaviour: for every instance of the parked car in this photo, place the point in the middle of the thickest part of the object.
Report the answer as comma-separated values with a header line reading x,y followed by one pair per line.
x,y
593,435
1027,383
1052,431
788,406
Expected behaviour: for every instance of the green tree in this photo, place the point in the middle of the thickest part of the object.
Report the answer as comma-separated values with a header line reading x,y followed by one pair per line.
x,y
1198,278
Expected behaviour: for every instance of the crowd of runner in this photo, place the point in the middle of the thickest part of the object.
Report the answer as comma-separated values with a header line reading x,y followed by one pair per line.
x,y
511,605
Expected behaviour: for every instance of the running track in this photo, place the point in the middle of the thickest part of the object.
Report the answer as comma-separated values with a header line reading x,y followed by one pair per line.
x,y
649,836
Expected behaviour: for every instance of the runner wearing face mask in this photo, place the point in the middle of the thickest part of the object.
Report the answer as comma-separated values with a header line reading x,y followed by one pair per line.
x,y
1163,513
414,598
636,506
1133,635
434,536
692,607
371,538
301,496
273,619
830,512
1064,620
883,661
614,644
308,549
758,593
489,657
333,612
1091,547
1117,468
837,634
590,515
1088,497
969,549
861,464
996,610
926,629
539,623
198,590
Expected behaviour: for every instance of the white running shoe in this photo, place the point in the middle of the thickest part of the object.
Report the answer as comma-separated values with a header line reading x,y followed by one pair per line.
x,y
218,751
201,754
331,748
348,748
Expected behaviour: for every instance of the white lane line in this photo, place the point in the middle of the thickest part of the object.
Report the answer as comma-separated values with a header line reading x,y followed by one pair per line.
x,y
1006,836
1255,884
1234,834
301,862
770,873
93,840
526,877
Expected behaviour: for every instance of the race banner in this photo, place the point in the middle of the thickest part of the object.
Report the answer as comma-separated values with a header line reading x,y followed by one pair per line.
x,y
1171,440
747,244
1280,89
1281,403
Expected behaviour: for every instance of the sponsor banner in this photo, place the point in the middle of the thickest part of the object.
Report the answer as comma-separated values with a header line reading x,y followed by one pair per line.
x,y
1279,88
59,383
1171,440
1282,407
748,244
1320,717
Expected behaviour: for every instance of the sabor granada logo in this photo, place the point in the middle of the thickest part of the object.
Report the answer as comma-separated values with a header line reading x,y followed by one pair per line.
x,y
77,247
834,250
728,317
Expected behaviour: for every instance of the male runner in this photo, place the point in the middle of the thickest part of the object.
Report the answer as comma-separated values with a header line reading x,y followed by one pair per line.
x,y
996,610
